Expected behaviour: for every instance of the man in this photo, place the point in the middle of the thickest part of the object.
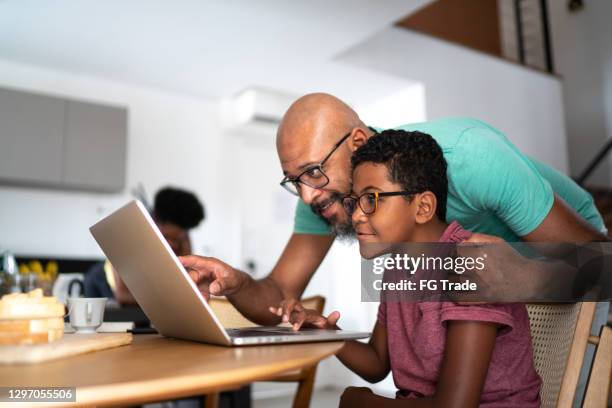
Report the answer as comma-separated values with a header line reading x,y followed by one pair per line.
x,y
493,189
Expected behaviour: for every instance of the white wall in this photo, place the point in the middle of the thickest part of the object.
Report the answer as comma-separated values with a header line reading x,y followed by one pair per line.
x,y
582,52
458,81
172,139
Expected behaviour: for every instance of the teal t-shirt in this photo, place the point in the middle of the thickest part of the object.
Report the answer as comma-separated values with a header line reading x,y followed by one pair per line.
x,y
493,188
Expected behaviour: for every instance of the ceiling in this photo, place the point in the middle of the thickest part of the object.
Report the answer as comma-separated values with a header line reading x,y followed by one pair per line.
x,y
204,48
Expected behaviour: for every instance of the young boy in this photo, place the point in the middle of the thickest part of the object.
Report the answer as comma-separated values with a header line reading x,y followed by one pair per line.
x,y
440,354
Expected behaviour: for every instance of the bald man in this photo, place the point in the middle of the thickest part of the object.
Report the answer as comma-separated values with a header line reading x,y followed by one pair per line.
x,y
493,189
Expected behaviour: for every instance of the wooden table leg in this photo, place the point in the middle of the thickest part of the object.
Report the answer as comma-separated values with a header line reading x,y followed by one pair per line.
x,y
211,400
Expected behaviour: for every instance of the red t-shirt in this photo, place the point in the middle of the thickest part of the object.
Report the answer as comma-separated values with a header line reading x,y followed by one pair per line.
x,y
416,336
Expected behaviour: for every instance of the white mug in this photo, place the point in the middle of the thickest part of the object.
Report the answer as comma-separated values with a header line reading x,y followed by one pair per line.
x,y
86,314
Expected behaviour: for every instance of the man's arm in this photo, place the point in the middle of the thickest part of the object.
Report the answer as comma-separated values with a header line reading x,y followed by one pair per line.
x,y
563,224
300,259
499,179
290,276
516,192
550,279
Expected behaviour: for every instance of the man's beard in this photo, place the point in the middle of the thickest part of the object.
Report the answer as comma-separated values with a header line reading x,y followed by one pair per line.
x,y
343,230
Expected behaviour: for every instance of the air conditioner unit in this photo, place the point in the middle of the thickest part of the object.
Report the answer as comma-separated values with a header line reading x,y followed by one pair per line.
x,y
258,106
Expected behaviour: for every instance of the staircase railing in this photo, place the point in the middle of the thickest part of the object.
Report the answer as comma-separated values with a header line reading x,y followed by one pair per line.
x,y
590,168
526,33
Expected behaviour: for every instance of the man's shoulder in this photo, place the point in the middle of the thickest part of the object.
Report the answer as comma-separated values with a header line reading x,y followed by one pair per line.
x,y
449,124
448,131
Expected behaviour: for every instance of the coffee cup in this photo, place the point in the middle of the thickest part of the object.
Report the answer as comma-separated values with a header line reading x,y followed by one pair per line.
x,y
86,314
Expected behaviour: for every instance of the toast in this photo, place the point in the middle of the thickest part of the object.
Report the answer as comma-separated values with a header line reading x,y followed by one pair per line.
x,y
30,318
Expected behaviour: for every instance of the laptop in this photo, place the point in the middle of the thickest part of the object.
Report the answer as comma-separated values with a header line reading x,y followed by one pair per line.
x,y
171,300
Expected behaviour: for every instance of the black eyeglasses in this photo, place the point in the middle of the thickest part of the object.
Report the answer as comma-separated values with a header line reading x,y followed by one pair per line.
x,y
368,202
314,176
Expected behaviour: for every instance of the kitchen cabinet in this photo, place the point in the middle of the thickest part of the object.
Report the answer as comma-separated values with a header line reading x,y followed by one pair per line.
x,y
31,134
48,141
95,146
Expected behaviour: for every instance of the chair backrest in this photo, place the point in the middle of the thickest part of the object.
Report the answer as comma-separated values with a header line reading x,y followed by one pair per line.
x,y
600,380
231,318
559,334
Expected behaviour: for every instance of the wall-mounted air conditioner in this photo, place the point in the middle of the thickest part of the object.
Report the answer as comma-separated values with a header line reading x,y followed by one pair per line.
x,y
257,106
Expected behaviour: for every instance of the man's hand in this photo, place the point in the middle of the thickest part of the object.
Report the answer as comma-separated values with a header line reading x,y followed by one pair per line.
x,y
504,268
477,238
356,397
498,279
212,275
292,311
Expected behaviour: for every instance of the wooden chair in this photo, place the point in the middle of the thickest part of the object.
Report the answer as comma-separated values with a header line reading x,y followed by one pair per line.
x,y
598,387
231,318
560,334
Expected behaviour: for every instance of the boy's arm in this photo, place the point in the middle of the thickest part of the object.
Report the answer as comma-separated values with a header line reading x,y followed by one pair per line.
x,y
469,346
370,361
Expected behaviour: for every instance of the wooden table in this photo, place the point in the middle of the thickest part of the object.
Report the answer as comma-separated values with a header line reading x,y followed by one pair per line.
x,y
155,368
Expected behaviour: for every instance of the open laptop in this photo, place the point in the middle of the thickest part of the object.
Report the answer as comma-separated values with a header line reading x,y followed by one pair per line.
x,y
169,297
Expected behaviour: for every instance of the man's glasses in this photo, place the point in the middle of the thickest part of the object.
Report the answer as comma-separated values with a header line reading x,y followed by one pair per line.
x,y
313,176
368,202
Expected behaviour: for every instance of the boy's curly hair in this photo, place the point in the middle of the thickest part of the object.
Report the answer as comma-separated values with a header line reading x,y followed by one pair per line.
x,y
178,207
414,160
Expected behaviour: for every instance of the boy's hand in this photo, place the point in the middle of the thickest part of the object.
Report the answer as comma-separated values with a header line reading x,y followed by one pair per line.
x,y
293,312
356,397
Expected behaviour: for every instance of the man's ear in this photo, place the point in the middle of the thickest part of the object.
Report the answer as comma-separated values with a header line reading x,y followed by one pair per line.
x,y
357,138
426,207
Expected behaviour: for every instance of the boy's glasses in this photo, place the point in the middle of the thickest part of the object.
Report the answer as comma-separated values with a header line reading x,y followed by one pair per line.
x,y
313,176
368,202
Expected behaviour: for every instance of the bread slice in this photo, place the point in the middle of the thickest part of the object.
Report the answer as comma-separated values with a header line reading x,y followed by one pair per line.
x,y
31,325
30,318
34,331
32,305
